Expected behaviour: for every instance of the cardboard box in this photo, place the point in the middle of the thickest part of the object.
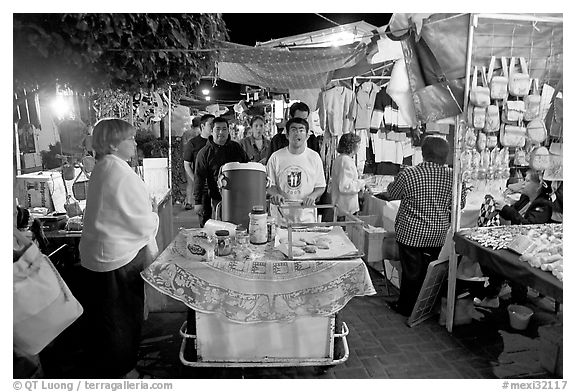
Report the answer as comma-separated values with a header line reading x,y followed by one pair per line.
x,y
37,190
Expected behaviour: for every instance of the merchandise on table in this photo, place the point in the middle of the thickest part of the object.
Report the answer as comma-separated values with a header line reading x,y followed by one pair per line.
x,y
223,247
539,245
201,246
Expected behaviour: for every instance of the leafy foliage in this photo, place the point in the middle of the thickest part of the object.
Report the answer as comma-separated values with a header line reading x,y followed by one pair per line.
x,y
127,52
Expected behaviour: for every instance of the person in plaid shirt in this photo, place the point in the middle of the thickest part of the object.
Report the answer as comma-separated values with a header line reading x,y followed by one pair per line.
x,y
423,219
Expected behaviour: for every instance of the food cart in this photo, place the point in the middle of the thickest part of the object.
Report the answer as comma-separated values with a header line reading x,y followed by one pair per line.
x,y
264,306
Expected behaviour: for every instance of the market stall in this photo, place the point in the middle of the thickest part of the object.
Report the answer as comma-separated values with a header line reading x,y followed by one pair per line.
x,y
259,309
501,101
506,262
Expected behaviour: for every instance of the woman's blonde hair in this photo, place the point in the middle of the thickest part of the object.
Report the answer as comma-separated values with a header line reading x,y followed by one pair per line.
x,y
109,132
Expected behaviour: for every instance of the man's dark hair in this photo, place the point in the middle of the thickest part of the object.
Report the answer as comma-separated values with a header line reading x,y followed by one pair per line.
x,y
298,106
196,121
219,120
348,143
296,120
435,149
206,117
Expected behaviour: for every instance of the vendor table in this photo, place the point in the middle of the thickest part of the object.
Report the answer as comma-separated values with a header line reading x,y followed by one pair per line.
x,y
507,264
386,211
260,310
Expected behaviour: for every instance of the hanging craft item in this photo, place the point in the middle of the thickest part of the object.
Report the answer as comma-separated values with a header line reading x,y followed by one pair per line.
x,y
520,158
68,172
479,95
555,115
512,135
513,111
536,130
540,159
532,103
492,123
481,141
479,117
498,83
491,140
80,189
518,82
488,214
470,138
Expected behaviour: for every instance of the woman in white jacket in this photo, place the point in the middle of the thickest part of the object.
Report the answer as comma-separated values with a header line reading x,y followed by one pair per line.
x,y
117,242
345,184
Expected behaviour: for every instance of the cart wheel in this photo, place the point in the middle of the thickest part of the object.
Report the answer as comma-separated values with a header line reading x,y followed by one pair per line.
x,y
338,348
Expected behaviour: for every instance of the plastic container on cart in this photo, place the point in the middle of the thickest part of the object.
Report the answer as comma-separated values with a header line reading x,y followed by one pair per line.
x,y
243,185
519,316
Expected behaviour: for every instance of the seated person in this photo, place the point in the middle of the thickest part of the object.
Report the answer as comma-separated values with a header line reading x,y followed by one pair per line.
x,y
534,207
296,174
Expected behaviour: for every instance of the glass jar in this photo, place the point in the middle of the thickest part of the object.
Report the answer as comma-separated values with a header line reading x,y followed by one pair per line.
x,y
258,227
223,247
242,237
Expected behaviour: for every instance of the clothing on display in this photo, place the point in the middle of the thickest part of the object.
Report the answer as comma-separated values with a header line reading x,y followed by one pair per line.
x,y
364,104
335,110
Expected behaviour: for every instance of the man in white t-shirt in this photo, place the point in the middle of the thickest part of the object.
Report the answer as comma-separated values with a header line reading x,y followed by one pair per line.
x,y
296,175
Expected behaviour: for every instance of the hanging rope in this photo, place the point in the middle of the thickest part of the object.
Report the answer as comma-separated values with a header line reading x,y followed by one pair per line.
x,y
325,18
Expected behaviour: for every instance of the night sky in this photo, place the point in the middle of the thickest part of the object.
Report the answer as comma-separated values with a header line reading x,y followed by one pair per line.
x,y
249,28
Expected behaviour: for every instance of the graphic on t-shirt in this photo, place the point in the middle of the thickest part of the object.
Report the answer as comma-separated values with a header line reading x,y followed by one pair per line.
x,y
294,179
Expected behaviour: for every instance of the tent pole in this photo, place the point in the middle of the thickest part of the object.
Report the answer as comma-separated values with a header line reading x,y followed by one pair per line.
x,y
169,137
457,182
521,18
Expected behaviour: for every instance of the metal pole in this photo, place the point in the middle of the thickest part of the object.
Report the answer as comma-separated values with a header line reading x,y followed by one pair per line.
x,y
169,137
457,182
521,18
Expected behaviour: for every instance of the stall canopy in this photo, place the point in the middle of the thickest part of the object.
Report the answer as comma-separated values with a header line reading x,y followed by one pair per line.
x,y
285,68
435,49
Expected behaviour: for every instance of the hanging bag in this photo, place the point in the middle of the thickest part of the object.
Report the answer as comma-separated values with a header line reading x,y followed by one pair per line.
x,y
536,131
555,116
492,119
512,135
532,103
42,302
479,95
488,214
518,82
498,83
513,111
540,159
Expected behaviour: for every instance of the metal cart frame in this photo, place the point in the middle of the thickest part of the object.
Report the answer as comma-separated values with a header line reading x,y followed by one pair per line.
x,y
196,361
337,339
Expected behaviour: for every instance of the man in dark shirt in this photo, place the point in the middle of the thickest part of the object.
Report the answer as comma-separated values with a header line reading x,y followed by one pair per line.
x,y
279,141
219,149
423,218
191,150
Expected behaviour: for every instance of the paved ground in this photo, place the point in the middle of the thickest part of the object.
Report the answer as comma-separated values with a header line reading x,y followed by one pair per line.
x,y
381,344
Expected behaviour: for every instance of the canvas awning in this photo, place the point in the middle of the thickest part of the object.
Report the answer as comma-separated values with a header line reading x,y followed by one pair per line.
x,y
294,68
